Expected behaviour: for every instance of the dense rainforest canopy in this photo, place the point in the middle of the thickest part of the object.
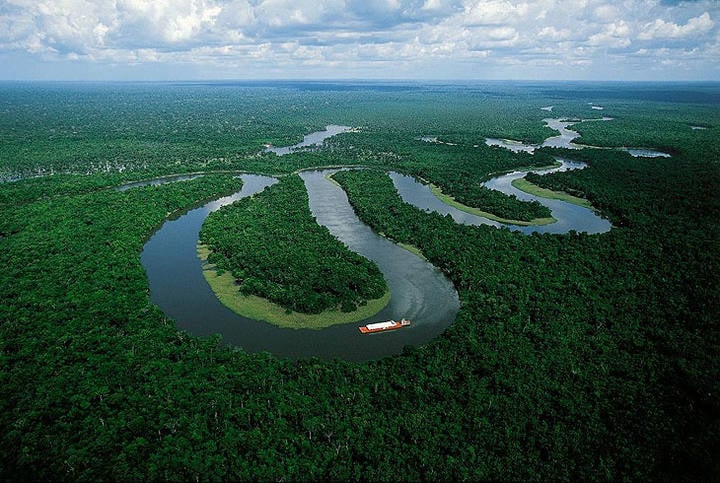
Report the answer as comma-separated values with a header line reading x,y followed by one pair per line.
x,y
572,357
275,249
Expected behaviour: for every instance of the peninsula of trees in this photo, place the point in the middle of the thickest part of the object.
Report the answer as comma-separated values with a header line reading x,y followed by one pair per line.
x,y
275,249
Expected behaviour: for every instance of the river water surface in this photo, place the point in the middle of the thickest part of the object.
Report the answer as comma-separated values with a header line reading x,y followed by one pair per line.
x,y
158,181
419,290
312,139
568,216
565,139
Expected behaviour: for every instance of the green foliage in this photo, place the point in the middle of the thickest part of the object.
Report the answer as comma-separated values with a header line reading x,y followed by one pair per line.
x,y
113,128
573,357
605,345
275,249
663,126
459,169
461,173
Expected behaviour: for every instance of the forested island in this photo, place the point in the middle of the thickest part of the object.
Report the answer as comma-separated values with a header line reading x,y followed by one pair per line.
x,y
572,356
274,249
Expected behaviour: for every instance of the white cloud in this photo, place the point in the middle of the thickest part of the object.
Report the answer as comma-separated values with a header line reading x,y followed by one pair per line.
x,y
614,35
99,33
553,34
163,21
433,5
493,12
660,29
331,33
606,13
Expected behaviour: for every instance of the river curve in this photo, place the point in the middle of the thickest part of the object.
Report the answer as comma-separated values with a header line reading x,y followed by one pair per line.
x,y
568,216
312,139
419,290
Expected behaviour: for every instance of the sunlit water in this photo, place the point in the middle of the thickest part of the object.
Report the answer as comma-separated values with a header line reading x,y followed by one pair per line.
x,y
158,181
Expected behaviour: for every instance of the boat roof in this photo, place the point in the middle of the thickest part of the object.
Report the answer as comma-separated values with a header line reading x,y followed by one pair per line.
x,y
380,325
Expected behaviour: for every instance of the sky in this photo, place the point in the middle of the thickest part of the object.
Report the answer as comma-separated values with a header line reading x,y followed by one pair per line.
x,y
660,40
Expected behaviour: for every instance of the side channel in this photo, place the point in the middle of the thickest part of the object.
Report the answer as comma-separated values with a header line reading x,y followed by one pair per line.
x,y
419,290
568,216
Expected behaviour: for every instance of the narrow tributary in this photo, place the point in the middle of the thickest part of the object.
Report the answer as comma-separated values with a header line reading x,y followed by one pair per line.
x,y
568,216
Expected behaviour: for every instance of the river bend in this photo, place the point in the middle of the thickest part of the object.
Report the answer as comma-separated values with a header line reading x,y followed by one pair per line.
x,y
568,216
419,291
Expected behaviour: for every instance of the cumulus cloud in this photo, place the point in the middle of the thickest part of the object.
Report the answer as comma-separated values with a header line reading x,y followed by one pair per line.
x,y
606,13
660,29
614,35
331,33
493,12
552,34
161,23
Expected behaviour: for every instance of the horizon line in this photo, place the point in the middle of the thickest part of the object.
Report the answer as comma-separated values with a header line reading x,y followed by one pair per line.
x,y
366,80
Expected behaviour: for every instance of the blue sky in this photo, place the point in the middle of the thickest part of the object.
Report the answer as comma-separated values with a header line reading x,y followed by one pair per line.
x,y
360,39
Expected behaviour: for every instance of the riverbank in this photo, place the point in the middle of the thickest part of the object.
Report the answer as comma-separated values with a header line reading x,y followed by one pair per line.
x,y
450,201
258,308
526,186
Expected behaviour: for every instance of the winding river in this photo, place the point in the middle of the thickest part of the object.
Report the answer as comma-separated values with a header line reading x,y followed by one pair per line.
x,y
565,139
312,139
158,181
419,291
568,216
